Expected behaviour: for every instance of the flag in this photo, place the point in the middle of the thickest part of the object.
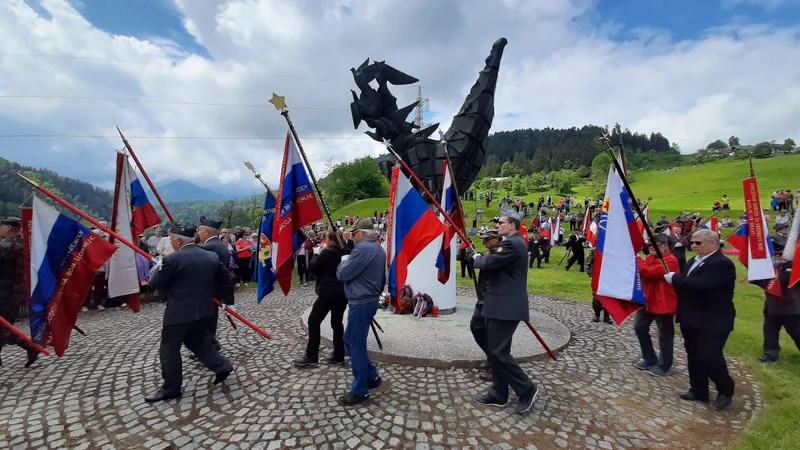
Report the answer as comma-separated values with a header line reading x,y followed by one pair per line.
x,y
546,230
143,215
123,279
298,208
641,223
523,228
615,275
554,231
760,271
712,225
65,256
264,271
589,228
414,225
450,204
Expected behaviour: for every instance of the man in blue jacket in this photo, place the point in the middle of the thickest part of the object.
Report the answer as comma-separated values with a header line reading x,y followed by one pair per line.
x,y
364,275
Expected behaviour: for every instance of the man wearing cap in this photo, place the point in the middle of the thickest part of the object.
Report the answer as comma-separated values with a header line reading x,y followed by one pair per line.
x,y
191,278
208,231
477,324
505,306
364,275
12,283
661,225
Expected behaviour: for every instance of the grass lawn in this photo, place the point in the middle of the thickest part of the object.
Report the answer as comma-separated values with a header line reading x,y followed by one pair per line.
x,y
778,425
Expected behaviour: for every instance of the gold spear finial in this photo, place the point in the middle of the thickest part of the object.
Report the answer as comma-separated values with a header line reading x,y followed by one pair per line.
x,y
279,102
34,183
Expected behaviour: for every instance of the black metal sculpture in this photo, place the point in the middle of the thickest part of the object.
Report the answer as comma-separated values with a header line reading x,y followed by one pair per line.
x,y
464,140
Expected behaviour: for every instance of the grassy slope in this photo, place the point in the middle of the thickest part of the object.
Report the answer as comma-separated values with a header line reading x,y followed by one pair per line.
x,y
778,426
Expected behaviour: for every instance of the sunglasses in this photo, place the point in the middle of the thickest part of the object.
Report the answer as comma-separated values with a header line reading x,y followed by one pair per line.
x,y
500,222
697,242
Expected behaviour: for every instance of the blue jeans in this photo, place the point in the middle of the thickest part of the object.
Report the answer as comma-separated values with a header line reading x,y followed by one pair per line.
x,y
359,319
666,337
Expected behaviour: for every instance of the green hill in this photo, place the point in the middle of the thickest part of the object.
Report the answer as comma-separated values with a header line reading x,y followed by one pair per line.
x,y
362,208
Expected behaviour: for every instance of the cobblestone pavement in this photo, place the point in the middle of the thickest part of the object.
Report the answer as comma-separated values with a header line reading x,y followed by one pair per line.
x,y
592,397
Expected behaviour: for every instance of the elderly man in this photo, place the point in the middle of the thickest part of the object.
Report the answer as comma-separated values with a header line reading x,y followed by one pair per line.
x,y
12,283
706,314
364,275
505,306
208,232
477,325
191,278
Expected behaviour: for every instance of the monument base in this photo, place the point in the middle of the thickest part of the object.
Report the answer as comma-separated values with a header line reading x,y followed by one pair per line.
x,y
446,341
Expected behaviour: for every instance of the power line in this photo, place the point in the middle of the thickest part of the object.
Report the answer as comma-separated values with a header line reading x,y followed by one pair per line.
x,y
168,102
210,69
209,138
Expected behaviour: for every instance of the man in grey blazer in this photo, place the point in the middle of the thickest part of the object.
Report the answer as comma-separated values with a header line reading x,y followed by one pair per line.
x,y
190,277
505,306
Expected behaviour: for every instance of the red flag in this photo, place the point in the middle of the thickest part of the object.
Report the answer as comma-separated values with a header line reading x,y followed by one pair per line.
x,y
298,207
523,228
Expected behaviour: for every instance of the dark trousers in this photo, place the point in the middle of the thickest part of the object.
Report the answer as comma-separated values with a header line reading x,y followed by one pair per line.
x,y
666,338
195,336
579,257
211,326
706,361
772,331
535,257
97,293
681,263
477,325
598,307
359,318
505,369
302,267
322,306
546,256
464,270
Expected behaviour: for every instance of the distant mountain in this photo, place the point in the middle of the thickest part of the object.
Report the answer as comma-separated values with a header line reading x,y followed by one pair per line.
x,y
180,190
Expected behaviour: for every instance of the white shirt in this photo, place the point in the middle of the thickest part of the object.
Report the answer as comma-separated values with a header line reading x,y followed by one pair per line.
x,y
698,261
164,247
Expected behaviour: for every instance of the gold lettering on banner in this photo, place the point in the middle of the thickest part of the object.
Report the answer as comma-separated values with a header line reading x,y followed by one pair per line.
x,y
754,223
66,278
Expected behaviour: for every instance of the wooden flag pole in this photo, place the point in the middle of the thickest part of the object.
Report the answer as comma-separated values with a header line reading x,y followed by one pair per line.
x,y
126,242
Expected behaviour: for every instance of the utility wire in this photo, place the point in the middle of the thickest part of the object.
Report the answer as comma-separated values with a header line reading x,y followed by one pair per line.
x,y
168,102
210,138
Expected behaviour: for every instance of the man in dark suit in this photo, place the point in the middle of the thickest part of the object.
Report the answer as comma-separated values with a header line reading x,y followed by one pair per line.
x,y
575,244
505,306
781,312
208,231
706,314
191,277
477,325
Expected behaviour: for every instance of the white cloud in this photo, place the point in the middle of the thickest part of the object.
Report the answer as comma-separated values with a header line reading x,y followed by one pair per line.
x,y
559,70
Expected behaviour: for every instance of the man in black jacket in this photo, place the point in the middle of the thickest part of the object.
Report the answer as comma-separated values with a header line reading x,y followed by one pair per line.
x,y
781,312
678,249
191,277
575,244
505,306
477,325
330,299
208,231
706,314
533,252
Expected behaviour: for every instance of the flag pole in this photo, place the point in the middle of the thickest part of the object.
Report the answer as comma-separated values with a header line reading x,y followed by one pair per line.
x,y
686,236
126,242
23,336
280,105
144,174
623,177
732,232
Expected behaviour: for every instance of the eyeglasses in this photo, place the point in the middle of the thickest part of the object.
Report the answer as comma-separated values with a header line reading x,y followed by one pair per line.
x,y
500,222
697,242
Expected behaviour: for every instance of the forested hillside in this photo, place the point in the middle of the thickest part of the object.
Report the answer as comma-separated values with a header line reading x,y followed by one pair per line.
x,y
543,150
14,190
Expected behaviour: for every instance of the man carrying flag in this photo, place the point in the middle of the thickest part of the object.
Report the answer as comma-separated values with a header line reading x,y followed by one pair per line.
x,y
12,284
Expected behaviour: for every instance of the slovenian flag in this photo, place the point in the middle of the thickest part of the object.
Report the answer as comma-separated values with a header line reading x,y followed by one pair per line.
x,y
65,256
450,204
264,270
555,231
143,215
413,226
615,275
589,228
298,208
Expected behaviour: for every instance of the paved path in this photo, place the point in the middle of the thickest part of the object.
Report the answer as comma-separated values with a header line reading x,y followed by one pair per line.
x,y
591,398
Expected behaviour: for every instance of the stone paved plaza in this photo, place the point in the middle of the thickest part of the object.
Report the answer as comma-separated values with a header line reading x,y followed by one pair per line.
x,y
592,397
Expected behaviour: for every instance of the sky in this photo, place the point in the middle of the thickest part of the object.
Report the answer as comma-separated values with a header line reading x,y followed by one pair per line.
x,y
694,71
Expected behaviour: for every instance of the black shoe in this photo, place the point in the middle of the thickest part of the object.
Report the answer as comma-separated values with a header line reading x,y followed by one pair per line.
x,y
375,384
335,361
351,399
768,359
33,355
608,320
722,402
526,402
306,362
161,396
596,319
488,400
690,397
222,376
642,365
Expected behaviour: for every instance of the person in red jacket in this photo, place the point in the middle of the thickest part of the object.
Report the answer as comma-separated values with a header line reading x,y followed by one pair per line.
x,y
662,303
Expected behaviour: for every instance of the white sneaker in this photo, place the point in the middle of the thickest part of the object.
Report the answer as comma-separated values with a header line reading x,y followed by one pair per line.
x,y
124,305
237,285
101,308
85,309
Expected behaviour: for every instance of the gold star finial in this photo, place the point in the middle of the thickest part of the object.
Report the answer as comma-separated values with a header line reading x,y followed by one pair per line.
x,y
278,101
